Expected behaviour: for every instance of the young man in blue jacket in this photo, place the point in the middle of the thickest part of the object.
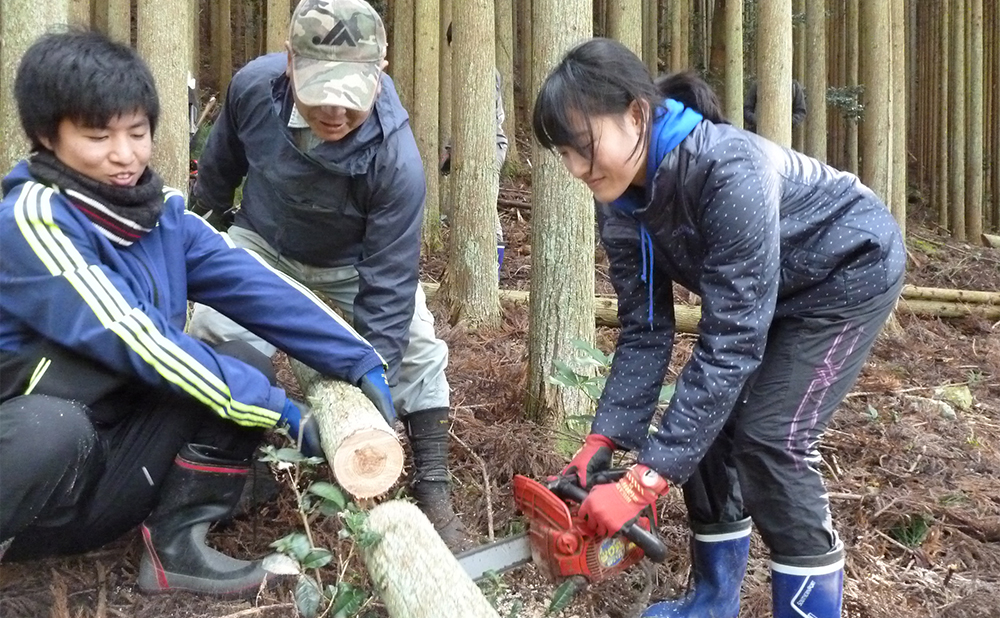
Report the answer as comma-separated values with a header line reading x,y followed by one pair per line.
x,y
333,196
111,417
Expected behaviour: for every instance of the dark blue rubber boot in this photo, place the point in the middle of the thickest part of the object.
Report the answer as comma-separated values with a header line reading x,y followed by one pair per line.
x,y
811,586
719,555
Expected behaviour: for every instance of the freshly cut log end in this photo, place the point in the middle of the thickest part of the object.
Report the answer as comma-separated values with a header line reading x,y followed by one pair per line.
x,y
414,572
368,462
363,451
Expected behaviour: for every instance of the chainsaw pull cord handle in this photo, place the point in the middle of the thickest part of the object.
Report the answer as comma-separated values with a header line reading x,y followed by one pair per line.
x,y
648,541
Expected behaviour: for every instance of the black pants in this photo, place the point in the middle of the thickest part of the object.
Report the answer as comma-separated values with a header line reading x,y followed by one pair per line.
x,y
74,476
765,463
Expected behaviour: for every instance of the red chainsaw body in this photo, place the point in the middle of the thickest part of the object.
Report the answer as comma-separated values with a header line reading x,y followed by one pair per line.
x,y
560,547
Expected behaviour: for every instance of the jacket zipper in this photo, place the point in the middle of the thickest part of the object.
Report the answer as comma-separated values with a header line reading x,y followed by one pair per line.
x,y
152,283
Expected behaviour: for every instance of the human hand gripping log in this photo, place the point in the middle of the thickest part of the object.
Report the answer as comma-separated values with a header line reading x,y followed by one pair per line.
x,y
360,446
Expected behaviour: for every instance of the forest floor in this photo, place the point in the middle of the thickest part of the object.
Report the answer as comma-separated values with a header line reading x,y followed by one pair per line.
x,y
915,494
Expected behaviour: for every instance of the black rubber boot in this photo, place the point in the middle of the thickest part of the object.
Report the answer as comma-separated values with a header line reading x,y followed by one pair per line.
x,y
428,433
203,487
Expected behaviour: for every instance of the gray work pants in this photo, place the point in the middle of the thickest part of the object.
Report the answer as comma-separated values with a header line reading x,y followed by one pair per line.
x,y
421,385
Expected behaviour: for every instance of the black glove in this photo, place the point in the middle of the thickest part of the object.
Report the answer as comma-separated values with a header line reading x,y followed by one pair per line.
x,y
375,386
221,220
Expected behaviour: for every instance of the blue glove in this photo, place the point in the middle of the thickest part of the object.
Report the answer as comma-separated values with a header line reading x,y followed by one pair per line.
x,y
291,415
375,386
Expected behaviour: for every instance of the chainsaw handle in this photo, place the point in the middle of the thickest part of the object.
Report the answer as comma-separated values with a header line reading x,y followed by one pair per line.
x,y
648,541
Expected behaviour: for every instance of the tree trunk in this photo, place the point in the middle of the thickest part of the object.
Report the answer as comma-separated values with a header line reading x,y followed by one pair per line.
x,y
562,237
401,67
413,571
994,159
470,281
625,24
505,65
974,179
875,71
424,111
651,36
774,71
23,21
680,37
278,17
853,53
120,21
163,39
734,61
194,10
222,44
361,448
943,146
898,162
79,13
815,79
524,56
956,123
799,43
444,104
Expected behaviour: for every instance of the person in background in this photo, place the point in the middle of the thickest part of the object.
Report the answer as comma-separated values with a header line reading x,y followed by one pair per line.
x,y
502,143
333,197
798,266
750,106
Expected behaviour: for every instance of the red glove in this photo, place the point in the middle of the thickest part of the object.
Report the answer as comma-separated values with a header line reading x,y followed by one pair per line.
x,y
611,506
594,456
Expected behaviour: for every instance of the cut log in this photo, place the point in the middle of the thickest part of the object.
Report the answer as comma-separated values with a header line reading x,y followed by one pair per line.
x,y
956,296
605,308
991,241
942,309
413,572
361,448
686,316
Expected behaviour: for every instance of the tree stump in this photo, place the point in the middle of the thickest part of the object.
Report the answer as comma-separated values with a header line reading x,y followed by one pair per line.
x,y
415,574
361,448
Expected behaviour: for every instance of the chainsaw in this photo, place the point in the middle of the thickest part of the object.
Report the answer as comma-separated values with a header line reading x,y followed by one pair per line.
x,y
557,540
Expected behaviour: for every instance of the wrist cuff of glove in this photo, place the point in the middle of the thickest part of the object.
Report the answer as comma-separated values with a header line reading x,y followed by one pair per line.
x,y
599,440
649,479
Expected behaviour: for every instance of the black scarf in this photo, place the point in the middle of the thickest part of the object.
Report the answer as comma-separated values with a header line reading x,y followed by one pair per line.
x,y
122,214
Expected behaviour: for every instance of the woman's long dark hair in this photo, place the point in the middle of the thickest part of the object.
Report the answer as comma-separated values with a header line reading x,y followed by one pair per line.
x,y
602,77
599,77
690,89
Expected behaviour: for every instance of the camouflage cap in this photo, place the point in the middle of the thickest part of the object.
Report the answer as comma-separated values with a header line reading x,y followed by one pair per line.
x,y
337,51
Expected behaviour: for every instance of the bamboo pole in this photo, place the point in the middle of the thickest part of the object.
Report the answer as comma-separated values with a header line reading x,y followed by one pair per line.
x,y
361,448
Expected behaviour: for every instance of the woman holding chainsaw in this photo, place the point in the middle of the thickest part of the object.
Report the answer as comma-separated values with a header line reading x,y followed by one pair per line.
x,y
798,265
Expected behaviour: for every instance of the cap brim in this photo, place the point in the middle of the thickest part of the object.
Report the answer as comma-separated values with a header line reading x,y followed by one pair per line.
x,y
344,84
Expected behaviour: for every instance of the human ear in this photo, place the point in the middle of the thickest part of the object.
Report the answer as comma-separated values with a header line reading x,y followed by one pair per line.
x,y
288,67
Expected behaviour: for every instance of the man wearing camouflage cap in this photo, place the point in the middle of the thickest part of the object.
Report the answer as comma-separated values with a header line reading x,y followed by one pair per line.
x,y
334,196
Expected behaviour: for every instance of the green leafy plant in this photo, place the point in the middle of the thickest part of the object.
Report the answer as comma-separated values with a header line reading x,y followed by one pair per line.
x,y
595,366
912,530
312,598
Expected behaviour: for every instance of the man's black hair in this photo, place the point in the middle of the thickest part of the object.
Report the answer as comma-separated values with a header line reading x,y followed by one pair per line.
x,y
84,77
599,77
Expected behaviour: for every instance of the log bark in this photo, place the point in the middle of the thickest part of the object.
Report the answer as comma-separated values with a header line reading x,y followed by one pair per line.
x,y
414,572
924,302
605,308
949,295
361,448
991,241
